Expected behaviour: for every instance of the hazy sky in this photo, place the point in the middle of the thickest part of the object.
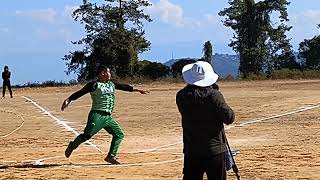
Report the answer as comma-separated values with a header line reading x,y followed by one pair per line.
x,y
36,34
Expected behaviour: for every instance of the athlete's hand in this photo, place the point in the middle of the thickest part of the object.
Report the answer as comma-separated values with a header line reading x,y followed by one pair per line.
x,y
143,91
65,104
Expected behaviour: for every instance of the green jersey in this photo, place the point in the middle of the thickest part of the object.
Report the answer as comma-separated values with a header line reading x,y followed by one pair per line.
x,y
102,94
103,97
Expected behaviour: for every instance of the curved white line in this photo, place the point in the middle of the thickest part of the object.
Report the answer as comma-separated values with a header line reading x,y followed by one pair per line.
x,y
62,123
169,161
153,149
251,122
40,162
277,116
22,123
168,145
126,165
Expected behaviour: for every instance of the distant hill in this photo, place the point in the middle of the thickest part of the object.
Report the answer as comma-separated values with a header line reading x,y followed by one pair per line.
x,y
172,61
223,64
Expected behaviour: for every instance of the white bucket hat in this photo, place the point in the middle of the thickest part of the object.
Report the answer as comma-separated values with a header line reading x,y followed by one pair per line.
x,y
199,73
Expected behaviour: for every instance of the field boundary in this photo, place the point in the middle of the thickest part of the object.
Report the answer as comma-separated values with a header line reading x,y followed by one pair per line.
x,y
17,114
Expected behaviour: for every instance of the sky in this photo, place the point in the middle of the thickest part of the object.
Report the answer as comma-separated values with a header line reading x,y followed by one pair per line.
x,y
36,34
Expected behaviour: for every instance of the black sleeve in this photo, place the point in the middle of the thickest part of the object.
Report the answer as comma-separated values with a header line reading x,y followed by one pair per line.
x,y
123,87
178,101
3,75
225,113
89,87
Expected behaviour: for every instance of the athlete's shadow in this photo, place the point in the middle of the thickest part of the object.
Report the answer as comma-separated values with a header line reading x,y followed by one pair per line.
x,y
23,166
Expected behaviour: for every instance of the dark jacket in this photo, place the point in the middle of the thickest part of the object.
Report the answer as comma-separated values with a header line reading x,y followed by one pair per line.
x,y
203,111
6,75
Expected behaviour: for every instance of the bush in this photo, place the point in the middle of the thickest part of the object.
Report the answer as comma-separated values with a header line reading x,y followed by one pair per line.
x,y
295,74
229,77
49,83
252,76
311,74
286,74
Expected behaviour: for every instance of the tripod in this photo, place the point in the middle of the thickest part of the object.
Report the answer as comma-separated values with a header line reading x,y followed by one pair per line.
x,y
234,166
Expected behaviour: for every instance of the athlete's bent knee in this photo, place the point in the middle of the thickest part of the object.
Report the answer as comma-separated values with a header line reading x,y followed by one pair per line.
x,y
121,135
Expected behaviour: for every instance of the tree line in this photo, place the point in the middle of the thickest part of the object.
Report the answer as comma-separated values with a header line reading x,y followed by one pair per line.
x,y
115,36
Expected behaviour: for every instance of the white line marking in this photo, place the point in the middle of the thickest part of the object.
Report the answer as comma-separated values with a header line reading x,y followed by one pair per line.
x,y
61,123
133,164
273,117
40,162
153,149
22,123
250,122
13,161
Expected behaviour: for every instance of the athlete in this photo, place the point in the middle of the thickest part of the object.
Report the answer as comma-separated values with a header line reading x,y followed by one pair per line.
x,y
6,74
102,94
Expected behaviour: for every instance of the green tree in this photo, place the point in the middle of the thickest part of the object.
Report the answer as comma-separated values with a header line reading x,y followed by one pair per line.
x,y
260,45
280,53
176,68
154,70
207,51
309,51
114,37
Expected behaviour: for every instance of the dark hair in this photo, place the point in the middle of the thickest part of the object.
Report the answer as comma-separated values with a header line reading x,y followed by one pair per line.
x,y
6,67
102,68
215,86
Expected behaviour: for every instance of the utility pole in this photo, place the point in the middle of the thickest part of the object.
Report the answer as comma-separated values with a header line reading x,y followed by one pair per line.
x,y
120,18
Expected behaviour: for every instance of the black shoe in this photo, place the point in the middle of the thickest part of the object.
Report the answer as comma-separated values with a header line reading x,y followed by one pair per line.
x,y
112,160
69,150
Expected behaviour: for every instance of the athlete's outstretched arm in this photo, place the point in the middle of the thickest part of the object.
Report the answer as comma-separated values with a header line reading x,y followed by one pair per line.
x,y
127,87
141,91
89,87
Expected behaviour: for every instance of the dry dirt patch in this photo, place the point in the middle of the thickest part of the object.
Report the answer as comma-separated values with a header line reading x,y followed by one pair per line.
x,y
281,148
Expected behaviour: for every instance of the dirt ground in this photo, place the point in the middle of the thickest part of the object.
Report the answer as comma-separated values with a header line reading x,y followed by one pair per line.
x,y
33,140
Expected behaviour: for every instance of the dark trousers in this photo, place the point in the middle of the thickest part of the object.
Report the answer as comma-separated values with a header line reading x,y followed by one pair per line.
x,y
214,166
4,85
